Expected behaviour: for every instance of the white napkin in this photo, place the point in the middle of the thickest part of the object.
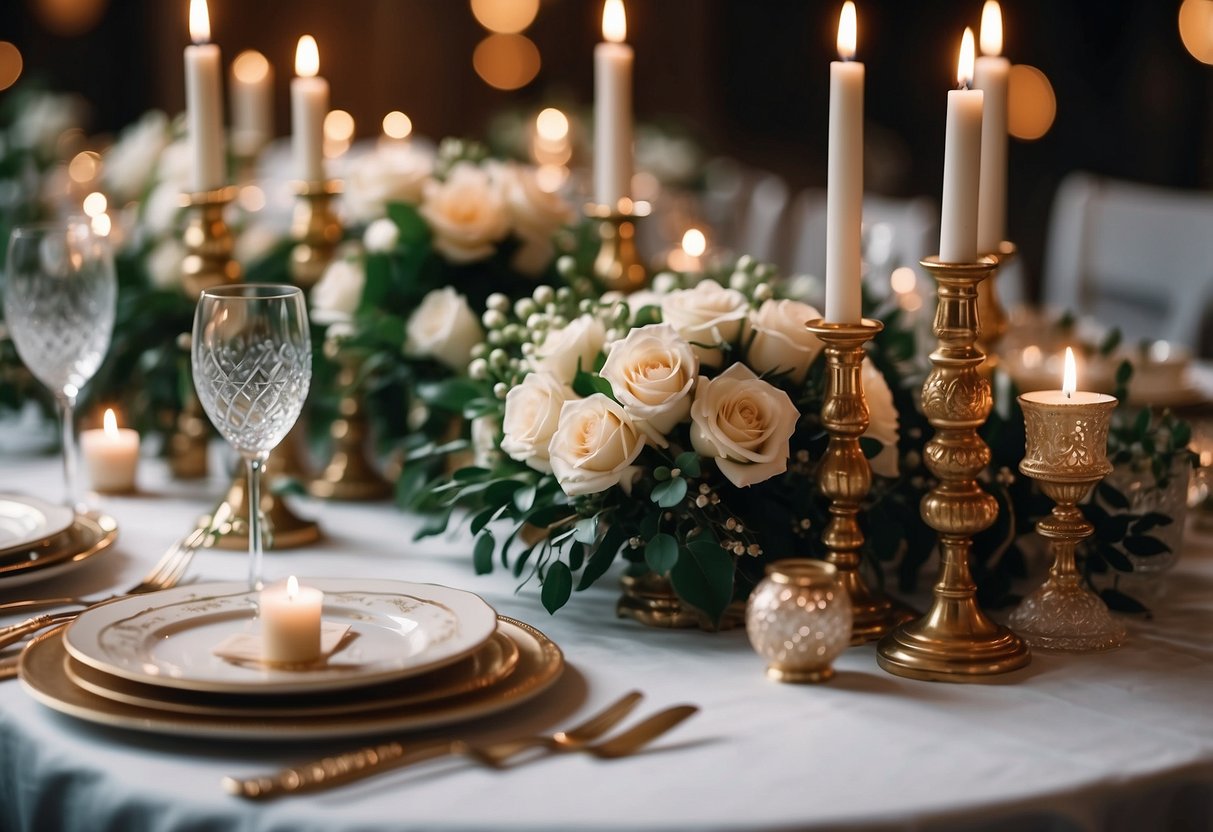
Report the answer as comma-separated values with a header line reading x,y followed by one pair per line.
x,y
245,648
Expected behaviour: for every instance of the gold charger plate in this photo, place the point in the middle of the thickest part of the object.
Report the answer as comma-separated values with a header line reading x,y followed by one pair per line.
x,y
487,666
540,663
89,535
27,522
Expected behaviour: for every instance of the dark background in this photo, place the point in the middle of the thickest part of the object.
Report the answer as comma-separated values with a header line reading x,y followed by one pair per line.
x,y
749,76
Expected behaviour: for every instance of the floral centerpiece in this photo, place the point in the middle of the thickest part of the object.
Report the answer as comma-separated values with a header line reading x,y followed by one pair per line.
x,y
676,427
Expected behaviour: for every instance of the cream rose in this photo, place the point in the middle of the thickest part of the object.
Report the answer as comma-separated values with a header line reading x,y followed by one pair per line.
x,y
337,294
535,214
381,236
885,425
577,344
651,372
707,314
131,161
744,423
444,328
397,174
256,241
466,213
594,446
532,413
164,263
780,342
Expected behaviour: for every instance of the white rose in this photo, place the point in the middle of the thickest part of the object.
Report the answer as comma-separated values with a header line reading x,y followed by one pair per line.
x,y
444,328
532,413
578,344
164,264
651,372
533,211
706,314
397,174
594,446
129,164
466,213
781,343
338,292
176,166
884,425
744,423
161,209
44,118
255,242
381,236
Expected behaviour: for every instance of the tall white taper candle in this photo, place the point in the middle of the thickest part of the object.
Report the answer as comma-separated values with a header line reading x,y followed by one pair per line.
x,y
309,106
613,108
961,164
991,75
204,103
844,183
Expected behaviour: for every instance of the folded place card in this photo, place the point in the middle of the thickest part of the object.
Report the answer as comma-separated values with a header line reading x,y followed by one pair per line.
x,y
246,648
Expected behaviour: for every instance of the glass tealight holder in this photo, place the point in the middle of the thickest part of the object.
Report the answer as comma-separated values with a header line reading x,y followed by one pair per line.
x,y
799,620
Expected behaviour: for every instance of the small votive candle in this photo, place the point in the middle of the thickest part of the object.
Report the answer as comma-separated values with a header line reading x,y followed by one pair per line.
x,y
1067,429
111,455
290,623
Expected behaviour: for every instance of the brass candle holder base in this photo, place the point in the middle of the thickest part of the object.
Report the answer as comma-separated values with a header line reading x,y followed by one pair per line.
x,y
208,242
618,266
349,475
954,641
990,313
1067,455
316,231
188,444
845,474
281,527
651,600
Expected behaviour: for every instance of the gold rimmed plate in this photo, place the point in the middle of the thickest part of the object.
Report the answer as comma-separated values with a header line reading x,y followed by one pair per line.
x,y
490,664
89,535
27,521
540,664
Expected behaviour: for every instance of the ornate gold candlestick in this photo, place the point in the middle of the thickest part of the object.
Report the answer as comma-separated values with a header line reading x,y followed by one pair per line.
x,y
282,528
349,475
316,230
990,314
618,266
955,641
1067,455
845,474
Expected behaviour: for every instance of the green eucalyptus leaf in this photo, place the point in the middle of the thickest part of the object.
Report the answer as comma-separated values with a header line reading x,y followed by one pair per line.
x,y
482,553
602,557
586,531
1113,496
1145,546
1151,520
435,524
1115,558
703,577
669,493
1110,342
661,553
1181,435
1120,602
524,497
557,586
871,447
1124,372
502,492
689,464
661,473
1141,424
576,555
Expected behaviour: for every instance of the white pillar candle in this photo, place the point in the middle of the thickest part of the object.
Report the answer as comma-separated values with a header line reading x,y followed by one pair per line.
x,y
204,103
252,102
990,75
290,622
309,106
844,182
961,164
111,456
613,108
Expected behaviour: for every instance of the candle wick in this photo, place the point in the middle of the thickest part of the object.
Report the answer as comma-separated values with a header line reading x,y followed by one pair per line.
x,y
1067,394
964,85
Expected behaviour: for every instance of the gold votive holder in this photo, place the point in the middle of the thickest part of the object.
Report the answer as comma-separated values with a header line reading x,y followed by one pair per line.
x,y
316,230
799,620
990,312
618,266
349,475
1067,440
955,641
208,242
845,475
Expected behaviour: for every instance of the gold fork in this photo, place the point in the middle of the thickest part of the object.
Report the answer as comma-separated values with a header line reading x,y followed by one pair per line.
x,y
365,762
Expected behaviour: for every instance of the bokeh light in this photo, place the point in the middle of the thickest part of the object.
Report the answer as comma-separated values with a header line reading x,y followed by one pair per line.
x,y
694,243
1031,104
552,125
1196,28
338,126
506,62
84,166
10,64
396,125
95,204
250,66
903,280
506,17
68,18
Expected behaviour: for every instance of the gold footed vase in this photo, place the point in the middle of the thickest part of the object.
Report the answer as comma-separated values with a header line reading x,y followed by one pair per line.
x,y
845,474
954,641
651,600
618,266
349,475
993,323
316,231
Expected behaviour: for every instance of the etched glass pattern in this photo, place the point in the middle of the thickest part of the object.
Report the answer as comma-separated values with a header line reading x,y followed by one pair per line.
x,y
797,628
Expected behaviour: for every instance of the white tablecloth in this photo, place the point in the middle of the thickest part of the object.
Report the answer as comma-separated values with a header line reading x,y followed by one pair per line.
x,y
1122,740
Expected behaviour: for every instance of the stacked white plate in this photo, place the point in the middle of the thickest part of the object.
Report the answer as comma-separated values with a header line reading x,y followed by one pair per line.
x,y
39,540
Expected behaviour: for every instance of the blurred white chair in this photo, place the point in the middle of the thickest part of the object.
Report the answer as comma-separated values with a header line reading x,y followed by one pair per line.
x,y
1129,255
762,230
725,193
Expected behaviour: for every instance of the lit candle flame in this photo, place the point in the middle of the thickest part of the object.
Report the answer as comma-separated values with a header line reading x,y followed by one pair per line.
x,y
614,21
847,28
110,423
964,66
292,588
991,28
694,243
200,22
307,57
1069,378
250,66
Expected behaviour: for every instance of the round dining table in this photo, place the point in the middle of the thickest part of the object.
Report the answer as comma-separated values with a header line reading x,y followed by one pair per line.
x,y
1121,740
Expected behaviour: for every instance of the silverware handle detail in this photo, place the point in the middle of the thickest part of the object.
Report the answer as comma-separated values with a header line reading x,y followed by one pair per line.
x,y
37,604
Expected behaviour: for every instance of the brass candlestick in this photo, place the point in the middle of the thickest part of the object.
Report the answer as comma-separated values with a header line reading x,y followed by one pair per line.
x,y
1067,454
955,641
845,474
187,447
282,529
618,266
316,231
990,314
349,475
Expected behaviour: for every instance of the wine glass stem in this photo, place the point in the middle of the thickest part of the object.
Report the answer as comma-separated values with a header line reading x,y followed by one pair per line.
x,y
67,408
255,467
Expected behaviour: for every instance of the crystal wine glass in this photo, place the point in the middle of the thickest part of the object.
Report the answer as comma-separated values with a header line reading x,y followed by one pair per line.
x,y
59,302
252,361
